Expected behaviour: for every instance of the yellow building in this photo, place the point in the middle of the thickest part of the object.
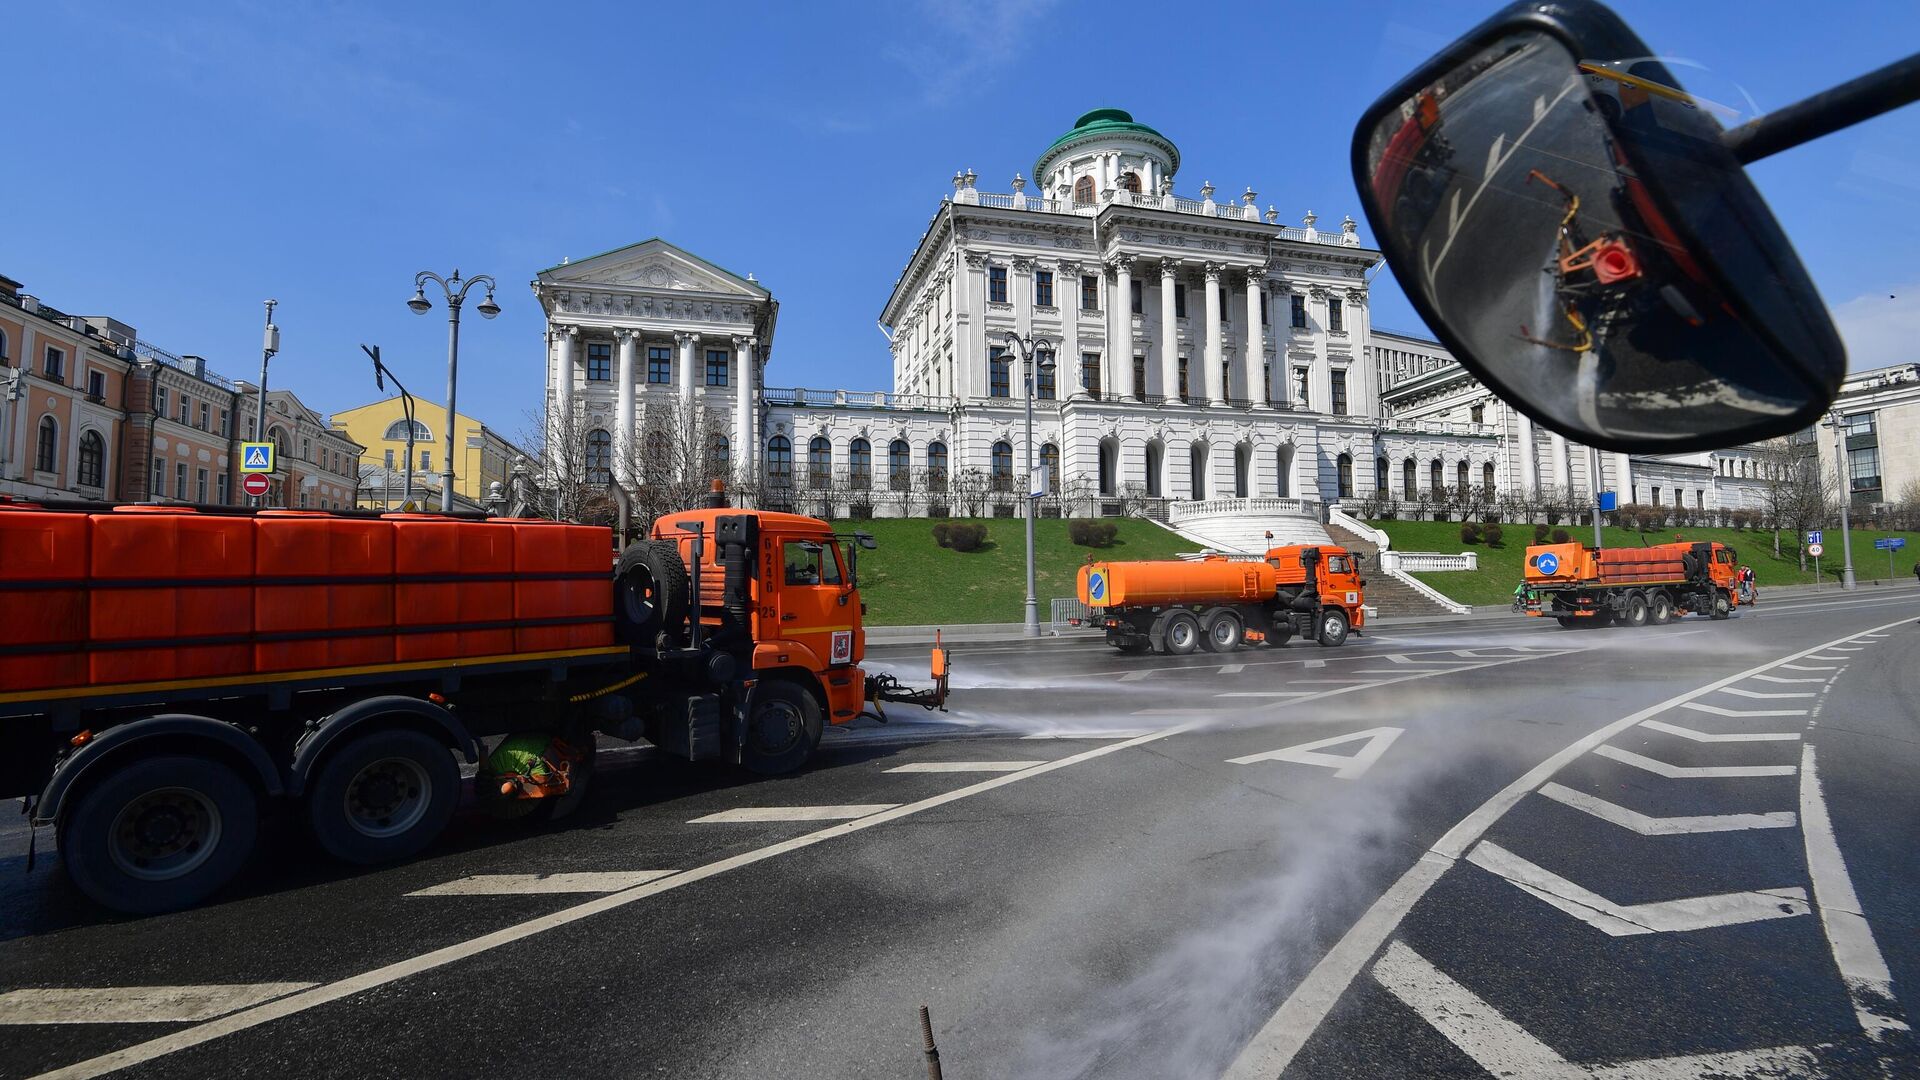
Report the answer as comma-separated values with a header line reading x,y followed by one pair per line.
x,y
481,455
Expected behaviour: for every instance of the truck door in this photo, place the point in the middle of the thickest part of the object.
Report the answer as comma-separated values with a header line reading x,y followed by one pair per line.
x,y
814,603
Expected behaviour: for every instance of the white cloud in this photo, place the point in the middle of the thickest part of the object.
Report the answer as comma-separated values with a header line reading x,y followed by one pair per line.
x,y
968,40
1881,328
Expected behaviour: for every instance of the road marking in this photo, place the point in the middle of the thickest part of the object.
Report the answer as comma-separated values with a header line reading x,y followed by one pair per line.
x,y
1332,682
1232,669
1277,1042
1708,736
1504,1048
1266,693
1345,767
1403,658
1779,679
1378,671
1699,706
792,813
1646,825
137,1004
1843,648
1855,953
1119,733
1829,657
1625,920
1810,667
1769,693
964,766
537,884
1687,772
1137,674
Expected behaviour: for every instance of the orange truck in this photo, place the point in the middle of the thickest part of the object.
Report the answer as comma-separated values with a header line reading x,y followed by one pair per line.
x,y
1583,586
1220,603
171,675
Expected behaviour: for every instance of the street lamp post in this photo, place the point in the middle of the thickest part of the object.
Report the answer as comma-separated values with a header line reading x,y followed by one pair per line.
x,y
1839,425
1026,347
456,293
269,344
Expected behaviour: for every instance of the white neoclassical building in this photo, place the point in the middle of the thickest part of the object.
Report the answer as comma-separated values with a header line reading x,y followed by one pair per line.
x,y
1189,348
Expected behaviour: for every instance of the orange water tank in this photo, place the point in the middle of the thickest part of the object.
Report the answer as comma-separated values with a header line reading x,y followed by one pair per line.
x,y
176,581
563,585
448,574
1171,581
43,599
325,591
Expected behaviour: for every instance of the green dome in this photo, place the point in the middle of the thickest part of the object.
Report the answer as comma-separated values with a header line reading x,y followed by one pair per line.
x,y
1105,123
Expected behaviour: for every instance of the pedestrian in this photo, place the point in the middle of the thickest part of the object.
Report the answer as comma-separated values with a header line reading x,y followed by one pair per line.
x,y
1916,571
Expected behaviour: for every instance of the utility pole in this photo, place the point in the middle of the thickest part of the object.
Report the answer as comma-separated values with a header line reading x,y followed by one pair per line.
x,y
269,345
1593,468
1839,426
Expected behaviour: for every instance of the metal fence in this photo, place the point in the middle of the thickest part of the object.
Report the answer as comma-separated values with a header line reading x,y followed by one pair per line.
x,y
1070,614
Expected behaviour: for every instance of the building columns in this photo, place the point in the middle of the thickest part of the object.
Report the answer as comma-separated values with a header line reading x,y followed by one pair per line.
x,y
1066,296
688,343
1120,329
745,447
1562,468
1254,356
1170,336
1529,466
562,433
1623,471
1215,350
623,428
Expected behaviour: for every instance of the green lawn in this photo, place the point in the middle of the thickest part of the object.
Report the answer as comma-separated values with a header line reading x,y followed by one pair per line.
x,y
911,580
1500,567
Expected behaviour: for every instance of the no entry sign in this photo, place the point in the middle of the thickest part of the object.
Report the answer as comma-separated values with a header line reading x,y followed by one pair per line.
x,y
255,484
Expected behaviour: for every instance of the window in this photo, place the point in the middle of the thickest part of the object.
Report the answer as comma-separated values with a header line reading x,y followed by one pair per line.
x,y
55,367
1300,396
819,463
180,481
93,459
1700,498
1345,475
599,457
1083,190
810,562
659,365
1138,294
186,409
200,485
1090,373
1045,376
1863,470
157,486
1226,308
3,344
1139,378
1130,181
160,401
1043,288
306,449
1263,307
780,461
717,367
1156,464
1089,292
860,464
206,416
221,489
1380,468
1179,301
397,432
1299,311
899,466
1183,379
1050,467
1335,322
599,361
999,372
996,284
1339,399
1002,467
389,459
1436,476
97,384
719,455
1407,489
1486,478
426,462
224,422
1461,477
46,454
937,466
1477,414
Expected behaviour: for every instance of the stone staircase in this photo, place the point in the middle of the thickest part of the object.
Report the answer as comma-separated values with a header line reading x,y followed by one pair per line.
x,y
1386,594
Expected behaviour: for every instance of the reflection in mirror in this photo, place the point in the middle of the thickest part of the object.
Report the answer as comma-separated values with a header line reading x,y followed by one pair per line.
x,y
1580,233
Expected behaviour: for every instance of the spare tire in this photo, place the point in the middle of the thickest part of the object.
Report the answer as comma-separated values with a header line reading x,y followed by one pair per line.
x,y
650,591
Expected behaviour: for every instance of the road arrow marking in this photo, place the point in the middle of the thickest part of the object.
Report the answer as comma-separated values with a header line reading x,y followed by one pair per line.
x,y
540,884
1768,693
964,766
1626,920
1504,1048
1779,679
1664,826
1708,736
792,813
1716,710
1345,768
137,1004
1685,772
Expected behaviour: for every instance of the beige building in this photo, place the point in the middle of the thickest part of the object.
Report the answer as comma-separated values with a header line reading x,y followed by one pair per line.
x,y
1881,411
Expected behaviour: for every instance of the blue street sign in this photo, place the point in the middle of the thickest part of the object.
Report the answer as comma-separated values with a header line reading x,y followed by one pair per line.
x,y
1891,543
1096,586
256,457
1609,502
1549,563
1813,536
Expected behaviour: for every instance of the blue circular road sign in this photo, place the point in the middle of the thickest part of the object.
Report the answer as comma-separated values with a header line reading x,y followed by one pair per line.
x,y
1549,563
1096,586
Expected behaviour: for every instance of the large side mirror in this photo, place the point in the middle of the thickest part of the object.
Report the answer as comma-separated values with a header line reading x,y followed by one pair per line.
x,y
1570,223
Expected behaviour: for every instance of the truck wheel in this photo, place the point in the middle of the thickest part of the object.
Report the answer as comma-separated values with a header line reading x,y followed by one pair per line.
x,y
1183,634
1566,621
1722,607
1333,627
383,796
1223,632
1636,611
1660,609
650,590
159,834
1281,633
783,726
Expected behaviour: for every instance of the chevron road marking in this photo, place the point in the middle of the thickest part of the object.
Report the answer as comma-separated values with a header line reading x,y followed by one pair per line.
x,y
1402,658
793,813
1665,826
964,766
1810,667
1688,772
1267,693
1779,679
1848,648
1736,691
1708,736
1716,710
1829,657
1232,669
1624,920
1117,733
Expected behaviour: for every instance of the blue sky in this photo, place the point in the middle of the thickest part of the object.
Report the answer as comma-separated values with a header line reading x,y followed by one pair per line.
x,y
172,165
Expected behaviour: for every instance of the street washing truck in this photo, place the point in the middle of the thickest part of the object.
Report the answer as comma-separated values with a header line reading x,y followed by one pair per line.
x,y
1220,602
170,675
1583,586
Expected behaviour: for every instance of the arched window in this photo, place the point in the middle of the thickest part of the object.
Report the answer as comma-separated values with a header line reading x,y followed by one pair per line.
x,y
1283,470
937,466
3,344
779,462
1197,469
279,440
860,464
46,455
599,457
1050,464
1345,475
1002,467
1486,477
1408,470
1083,190
93,459
397,431
899,465
819,462
1130,181
1436,476
1242,470
1461,476
1109,466
1380,469
719,456
1156,465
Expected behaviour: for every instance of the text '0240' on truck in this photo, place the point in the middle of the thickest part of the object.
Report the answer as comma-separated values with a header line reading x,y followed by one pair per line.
x,y
1583,586
169,675
1219,602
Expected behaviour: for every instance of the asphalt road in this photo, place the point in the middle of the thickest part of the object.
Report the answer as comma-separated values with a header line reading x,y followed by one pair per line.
x,y
1463,849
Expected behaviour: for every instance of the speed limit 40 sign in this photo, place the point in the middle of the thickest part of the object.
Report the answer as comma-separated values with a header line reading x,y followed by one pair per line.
x,y
1816,550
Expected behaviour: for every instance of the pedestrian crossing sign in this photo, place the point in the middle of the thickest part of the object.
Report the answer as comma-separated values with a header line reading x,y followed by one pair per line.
x,y
256,457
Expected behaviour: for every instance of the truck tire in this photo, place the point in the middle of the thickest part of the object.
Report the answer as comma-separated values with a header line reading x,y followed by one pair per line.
x,y
1183,634
1566,621
1660,609
1332,627
783,727
160,834
1222,631
1636,614
1281,633
650,590
1722,607
383,796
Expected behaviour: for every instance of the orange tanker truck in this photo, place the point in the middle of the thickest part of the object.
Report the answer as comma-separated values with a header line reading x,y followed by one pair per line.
x,y
1219,603
1583,586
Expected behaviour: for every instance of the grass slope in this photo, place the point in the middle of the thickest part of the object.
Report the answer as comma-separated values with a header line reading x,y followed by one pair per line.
x,y
1500,567
911,580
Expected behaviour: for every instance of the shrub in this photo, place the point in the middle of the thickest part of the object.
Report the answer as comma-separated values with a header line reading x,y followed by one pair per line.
x,y
1540,533
1090,533
1469,533
942,533
1740,519
1493,532
1562,536
964,536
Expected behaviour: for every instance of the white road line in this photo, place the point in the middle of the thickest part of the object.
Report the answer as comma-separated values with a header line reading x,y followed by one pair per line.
x,y
1769,694
1494,163
1829,657
792,813
1274,1046
137,1004
1137,674
1232,669
1845,648
296,1003
1330,682
1687,772
964,766
1403,658
1625,920
1708,736
1646,825
1810,667
1267,693
1504,1048
1118,733
1715,710
1779,679
1855,953
536,884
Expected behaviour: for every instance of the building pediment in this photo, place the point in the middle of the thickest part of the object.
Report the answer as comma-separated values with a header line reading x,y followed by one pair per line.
x,y
655,266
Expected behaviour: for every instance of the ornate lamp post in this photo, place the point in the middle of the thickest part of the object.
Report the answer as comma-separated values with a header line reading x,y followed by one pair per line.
x,y
1026,347
456,293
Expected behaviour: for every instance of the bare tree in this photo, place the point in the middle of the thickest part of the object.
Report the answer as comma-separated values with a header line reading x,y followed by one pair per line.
x,y
1795,491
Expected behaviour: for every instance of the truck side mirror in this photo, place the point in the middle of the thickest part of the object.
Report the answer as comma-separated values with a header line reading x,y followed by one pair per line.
x,y
1570,223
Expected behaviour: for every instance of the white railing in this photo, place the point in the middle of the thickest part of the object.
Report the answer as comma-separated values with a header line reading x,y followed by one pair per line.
x,y
1190,509
853,399
1436,427
1426,562
1393,563
1338,516
1179,204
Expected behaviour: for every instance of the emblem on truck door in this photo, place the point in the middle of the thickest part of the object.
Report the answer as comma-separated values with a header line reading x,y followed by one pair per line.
x,y
842,647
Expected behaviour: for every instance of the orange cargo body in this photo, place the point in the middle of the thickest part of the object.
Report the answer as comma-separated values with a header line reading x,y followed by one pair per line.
x,y
1626,565
1171,581
426,545
154,571
43,599
321,622
567,578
